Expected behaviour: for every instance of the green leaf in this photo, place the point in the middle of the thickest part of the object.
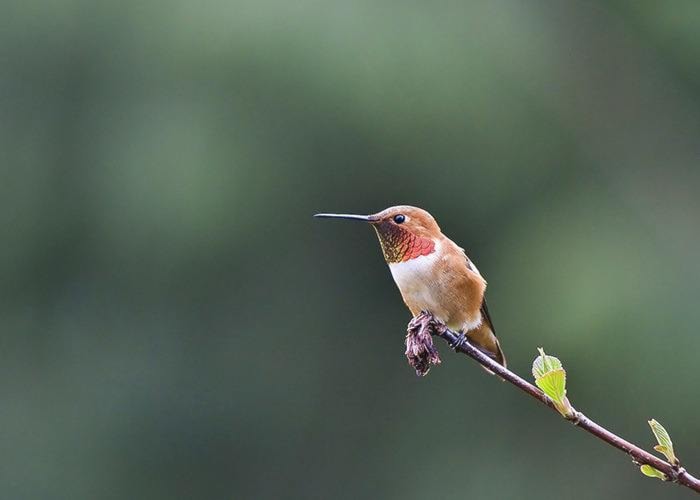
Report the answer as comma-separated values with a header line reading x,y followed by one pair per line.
x,y
650,471
550,377
553,384
665,445
544,363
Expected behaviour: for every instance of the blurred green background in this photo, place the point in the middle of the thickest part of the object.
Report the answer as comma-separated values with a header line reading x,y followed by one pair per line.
x,y
175,324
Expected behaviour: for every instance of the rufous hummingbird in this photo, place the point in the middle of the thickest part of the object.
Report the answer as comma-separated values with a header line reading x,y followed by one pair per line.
x,y
433,273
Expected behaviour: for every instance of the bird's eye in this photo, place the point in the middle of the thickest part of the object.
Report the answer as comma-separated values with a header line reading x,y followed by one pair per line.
x,y
399,219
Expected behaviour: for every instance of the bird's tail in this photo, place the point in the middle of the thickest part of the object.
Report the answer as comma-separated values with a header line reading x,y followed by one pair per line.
x,y
484,338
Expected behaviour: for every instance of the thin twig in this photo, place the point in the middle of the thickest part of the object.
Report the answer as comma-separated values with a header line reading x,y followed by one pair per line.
x,y
639,456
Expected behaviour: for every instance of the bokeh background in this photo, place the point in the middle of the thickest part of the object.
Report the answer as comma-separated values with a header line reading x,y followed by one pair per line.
x,y
175,324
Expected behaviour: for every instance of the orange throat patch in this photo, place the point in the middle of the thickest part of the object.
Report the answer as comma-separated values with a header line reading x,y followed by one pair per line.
x,y
400,245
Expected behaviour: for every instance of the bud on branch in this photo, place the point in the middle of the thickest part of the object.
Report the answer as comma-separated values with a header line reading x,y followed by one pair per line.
x,y
550,377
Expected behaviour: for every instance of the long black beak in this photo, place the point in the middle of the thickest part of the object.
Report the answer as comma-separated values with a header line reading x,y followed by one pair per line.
x,y
366,218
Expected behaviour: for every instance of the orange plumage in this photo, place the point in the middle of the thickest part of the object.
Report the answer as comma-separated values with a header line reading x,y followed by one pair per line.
x,y
433,273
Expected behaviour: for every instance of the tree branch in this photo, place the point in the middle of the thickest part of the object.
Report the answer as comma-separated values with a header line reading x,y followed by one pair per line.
x,y
675,474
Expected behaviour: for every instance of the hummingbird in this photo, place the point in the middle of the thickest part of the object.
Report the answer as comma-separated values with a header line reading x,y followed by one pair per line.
x,y
433,274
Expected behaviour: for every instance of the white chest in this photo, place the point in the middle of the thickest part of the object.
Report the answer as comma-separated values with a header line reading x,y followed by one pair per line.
x,y
425,287
416,278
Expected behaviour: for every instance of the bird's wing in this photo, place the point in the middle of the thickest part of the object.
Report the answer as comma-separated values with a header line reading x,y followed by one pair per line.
x,y
485,335
485,316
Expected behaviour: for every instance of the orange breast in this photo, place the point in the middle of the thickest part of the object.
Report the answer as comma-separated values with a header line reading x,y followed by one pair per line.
x,y
441,283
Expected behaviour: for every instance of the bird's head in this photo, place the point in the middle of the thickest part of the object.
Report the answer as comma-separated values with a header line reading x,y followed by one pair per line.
x,y
404,232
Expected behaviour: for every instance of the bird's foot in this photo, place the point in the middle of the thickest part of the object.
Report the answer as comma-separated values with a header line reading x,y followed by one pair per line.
x,y
459,341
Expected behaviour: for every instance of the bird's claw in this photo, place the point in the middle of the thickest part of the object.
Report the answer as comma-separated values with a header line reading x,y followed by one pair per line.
x,y
459,341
